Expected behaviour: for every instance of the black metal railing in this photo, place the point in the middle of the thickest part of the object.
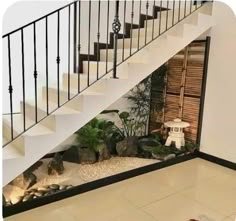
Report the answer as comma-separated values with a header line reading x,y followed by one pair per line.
x,y
102,27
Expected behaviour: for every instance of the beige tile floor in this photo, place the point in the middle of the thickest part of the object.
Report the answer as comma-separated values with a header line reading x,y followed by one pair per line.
x,y
196,189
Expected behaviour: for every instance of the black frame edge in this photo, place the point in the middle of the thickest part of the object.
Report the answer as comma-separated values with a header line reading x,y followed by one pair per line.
x,y
203,89
216,160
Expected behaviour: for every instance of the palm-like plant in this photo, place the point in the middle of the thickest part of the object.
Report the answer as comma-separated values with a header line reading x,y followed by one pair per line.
x,y
94,133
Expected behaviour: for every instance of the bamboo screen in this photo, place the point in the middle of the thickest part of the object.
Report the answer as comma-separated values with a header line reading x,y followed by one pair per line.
x,y
182,92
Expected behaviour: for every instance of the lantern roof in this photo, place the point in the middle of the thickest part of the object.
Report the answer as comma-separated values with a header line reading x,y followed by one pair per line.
x,y
177,123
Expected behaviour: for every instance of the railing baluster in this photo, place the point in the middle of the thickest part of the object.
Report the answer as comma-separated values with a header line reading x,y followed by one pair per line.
x,y
179,10
23,76
10,89
140,7
191,5
167,15
35,75
75,37
153,19
131,30
89,27
160,11
79,47
147,5
46,49
173,15
108,14
68,53
116,28
58,59
185,8
98,38
124,32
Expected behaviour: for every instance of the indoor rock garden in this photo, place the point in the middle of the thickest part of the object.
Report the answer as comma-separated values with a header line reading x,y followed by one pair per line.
x,y
114,142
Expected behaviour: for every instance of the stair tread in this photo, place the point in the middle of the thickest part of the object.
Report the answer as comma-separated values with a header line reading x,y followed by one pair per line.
x,y
53,106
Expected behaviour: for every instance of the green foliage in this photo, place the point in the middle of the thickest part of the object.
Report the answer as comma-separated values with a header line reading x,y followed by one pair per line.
x,y
139,97
189,147
158,85
94,133
130,126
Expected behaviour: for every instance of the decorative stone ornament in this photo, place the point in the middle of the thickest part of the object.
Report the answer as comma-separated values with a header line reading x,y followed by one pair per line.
x,y
176,134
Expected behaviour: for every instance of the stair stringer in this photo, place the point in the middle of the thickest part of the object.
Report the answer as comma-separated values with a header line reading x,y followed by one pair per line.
x,y
101,95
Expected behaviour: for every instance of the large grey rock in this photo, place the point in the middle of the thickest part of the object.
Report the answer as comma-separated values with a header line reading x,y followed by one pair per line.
x,y
72,155
104,153
87,156
25,180
127,147
170,156
55,166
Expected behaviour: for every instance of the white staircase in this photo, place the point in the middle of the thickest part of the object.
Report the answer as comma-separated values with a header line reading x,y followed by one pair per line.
x,y
55,128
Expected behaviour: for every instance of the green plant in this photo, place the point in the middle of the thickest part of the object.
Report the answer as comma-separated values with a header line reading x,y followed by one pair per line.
x,y
189,147
94,133
130,126
139,97
158,85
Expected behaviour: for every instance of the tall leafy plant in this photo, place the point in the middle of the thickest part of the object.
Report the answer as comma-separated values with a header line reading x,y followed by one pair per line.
x,y
140,98
130,126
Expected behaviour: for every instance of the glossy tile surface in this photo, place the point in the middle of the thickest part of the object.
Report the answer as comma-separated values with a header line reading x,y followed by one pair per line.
x,y
196,189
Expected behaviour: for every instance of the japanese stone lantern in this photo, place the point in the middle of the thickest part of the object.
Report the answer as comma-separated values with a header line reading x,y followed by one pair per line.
x,y
176,134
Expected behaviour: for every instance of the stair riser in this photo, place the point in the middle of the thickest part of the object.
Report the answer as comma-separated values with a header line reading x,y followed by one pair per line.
x,y
92,69
53,96
41,113
75,84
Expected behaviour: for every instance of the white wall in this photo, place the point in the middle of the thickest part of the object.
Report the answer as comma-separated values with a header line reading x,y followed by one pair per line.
x,y
219,122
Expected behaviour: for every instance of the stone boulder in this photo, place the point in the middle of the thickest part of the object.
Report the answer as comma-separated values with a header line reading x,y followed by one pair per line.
x,y
127,147
103,153
55,166
86,155
25,180
72,154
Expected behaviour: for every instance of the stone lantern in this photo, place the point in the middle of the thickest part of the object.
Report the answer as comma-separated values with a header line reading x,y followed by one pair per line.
x,y
176,134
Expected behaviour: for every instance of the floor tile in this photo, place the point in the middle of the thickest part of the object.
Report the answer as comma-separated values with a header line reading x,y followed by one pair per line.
x,y
218,193
135,215
180,208
189,173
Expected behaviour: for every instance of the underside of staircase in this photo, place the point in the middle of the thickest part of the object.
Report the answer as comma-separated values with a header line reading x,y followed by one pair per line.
x,y
53,129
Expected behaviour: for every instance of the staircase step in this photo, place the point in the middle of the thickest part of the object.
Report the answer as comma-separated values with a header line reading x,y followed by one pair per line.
x,y
92,67
121,54
11,152
83,80
18,127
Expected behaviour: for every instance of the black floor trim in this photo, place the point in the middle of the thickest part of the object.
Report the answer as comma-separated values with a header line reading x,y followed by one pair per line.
x,y
18,208
216,160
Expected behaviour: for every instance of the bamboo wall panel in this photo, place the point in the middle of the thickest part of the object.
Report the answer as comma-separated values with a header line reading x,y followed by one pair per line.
x,y
174,75
192,90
